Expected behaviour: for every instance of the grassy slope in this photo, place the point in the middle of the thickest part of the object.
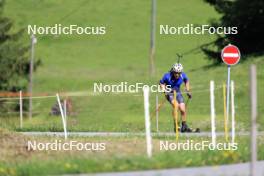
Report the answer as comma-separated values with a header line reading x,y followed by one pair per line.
x,y
121,154
74,63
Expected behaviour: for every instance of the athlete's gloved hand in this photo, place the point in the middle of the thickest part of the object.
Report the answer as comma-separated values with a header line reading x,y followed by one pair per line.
x,y
189,95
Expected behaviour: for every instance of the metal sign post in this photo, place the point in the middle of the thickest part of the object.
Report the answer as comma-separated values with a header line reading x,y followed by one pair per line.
x,y
230,56
228,94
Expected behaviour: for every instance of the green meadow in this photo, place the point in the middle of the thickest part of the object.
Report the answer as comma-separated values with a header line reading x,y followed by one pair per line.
x,y
73,63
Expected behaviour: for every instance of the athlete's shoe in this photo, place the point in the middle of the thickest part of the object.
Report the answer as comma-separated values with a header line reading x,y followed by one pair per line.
x,y
185,129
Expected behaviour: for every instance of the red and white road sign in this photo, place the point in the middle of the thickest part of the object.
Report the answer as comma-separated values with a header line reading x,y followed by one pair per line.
x,y
230,55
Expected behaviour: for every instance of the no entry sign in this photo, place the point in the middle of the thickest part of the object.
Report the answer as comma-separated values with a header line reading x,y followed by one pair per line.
x,y
230,55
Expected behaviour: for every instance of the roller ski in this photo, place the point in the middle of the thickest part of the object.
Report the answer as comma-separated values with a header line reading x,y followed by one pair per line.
x,y
185,129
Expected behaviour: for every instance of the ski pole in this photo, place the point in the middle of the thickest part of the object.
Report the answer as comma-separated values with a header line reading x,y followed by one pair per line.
x,y
187,102
158,108
175,115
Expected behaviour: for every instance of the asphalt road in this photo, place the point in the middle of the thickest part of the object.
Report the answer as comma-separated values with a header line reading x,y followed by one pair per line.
x,y
223,170
118,134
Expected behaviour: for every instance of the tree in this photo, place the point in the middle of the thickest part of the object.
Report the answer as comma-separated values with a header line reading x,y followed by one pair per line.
x,y
14,60
248,16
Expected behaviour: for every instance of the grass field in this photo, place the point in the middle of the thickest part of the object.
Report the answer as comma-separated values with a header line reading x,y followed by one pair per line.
x,y
74,63
121,154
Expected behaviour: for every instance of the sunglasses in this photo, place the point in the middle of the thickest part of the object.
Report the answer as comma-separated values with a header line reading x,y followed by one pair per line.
x,y
177,73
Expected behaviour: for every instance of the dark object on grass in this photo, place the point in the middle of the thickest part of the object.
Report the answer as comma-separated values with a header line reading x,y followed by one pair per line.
x,y
55,109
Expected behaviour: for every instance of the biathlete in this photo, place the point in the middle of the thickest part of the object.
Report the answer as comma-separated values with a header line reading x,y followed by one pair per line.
x,y
174,78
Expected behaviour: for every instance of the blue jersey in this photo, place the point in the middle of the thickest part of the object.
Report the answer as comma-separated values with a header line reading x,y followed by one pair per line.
x,y
175,84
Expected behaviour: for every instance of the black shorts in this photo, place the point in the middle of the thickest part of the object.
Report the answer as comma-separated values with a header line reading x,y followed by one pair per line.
x,y
179,97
